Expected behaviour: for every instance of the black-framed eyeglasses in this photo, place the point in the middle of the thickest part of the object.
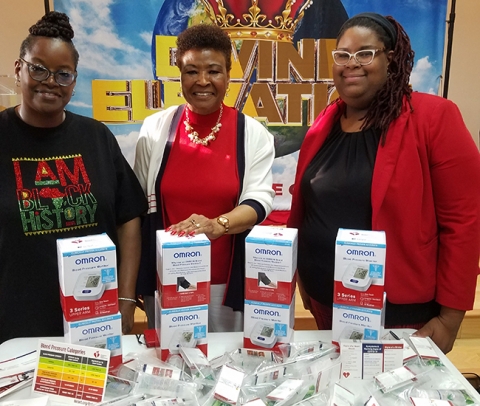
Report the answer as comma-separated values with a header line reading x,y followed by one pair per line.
x,y
40,73
363,57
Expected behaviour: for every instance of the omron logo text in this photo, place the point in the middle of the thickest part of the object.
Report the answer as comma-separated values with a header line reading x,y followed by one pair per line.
x,y
94,330
268,252
356,317
362,253
185,318
90,260
187,254
267,312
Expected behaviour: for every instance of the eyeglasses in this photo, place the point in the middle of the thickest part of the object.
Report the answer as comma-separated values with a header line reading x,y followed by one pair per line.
x,y
41,73
363,57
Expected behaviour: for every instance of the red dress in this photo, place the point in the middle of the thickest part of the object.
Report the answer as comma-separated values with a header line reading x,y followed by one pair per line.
x,y
204,180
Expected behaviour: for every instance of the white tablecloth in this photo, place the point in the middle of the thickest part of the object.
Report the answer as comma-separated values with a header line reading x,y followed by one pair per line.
x,y
218,344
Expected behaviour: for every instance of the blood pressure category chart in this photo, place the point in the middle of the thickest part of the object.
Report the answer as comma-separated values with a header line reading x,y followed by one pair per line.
x,y
71,372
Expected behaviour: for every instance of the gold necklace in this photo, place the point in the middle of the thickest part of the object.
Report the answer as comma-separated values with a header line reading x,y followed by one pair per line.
x,y
193,135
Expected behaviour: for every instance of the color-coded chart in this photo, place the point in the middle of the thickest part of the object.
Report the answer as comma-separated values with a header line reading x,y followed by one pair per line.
x,y
69,371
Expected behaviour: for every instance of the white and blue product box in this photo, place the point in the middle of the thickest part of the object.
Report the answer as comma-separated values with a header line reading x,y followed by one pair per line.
x,y
183,268
180,327
357,323
359,268
270,264
87,272
101,332
267,325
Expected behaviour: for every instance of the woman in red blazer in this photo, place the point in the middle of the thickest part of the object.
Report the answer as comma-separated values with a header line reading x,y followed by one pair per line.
x,y
382,157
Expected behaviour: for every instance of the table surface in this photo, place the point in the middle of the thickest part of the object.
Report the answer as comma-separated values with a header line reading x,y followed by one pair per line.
x,y
219,343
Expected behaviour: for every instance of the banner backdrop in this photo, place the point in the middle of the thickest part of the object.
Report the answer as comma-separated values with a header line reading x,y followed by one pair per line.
x,y
280,75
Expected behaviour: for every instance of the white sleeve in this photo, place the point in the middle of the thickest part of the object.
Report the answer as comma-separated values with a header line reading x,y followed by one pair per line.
x,y
259,155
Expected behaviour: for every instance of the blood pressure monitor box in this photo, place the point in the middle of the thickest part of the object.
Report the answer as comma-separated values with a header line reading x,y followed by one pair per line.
x,y
271,262
356,323
100,332
267,325
180,327
359,268
183,268
87,269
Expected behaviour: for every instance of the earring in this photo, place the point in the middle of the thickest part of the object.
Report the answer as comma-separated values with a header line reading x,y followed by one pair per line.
x,y
73,92
226,93
17,81
179,94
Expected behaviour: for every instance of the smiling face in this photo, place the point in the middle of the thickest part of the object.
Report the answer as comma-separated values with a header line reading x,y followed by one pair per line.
x,y
357,84
204,79
43,102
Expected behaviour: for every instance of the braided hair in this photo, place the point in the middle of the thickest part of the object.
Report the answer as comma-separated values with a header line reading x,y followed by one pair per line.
x,y
52,25
386,105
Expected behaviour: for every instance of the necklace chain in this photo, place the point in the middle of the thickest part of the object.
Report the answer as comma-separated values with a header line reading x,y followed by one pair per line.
x,y
193,135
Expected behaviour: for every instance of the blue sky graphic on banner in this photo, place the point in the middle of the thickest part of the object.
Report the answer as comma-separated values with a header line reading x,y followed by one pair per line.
x,y
117,43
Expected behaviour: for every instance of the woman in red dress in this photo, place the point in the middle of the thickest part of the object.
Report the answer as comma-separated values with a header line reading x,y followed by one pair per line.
x,y
205,168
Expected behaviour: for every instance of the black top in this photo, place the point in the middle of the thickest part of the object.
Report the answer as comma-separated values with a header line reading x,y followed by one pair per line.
x,y
336,187
337,193
67,181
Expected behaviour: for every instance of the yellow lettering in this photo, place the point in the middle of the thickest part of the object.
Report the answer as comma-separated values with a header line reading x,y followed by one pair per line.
x,y
266,50
146,98
112,100
265,104
325,59
299,64
165,66
293,94
269,80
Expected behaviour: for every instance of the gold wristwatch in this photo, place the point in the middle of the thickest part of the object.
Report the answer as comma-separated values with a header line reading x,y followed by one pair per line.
x,y
224,222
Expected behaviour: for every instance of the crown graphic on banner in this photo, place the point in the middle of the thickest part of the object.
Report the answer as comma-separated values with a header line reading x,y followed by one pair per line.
x,y
273,20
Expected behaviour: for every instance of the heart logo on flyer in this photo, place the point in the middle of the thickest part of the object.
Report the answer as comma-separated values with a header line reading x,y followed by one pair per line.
x,y
346,374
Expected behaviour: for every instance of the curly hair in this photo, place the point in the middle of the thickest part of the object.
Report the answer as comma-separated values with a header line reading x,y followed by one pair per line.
x,y
386,106
52,25
205,36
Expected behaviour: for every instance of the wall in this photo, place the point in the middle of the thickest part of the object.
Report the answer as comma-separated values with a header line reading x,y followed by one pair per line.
x,y
464,84
16,18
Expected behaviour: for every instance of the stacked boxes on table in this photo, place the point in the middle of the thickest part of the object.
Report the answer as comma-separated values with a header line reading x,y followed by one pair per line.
x,y
89,293
181,304
359,298
270,278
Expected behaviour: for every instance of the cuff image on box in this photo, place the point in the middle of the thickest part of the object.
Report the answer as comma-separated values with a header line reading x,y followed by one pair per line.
x,y
183,269
271,263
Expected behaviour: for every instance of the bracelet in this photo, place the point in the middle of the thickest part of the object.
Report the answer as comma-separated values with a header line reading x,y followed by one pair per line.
x,y
127,299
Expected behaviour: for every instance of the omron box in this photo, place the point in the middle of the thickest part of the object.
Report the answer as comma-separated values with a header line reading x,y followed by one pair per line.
x,y
180,327
356,323
359,268
271,262
267,325
183,266
100,332
87,269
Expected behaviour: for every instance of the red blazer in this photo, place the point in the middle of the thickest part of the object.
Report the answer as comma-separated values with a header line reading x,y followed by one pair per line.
x,y
425,196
